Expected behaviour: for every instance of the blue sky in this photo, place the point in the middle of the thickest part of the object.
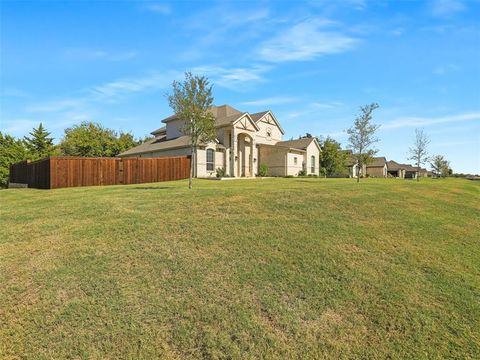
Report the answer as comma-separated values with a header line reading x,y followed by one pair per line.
x,y
312,63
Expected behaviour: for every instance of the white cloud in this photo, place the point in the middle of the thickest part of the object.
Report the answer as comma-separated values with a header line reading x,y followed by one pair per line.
x,y
54,105
13,92
99,54
115,89
442,70
232,78
21,127
306,41
422,121
276,100
18,126
159,8
446,8
313,107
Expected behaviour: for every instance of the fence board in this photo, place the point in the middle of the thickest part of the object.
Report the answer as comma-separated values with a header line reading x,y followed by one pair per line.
x,y
60,172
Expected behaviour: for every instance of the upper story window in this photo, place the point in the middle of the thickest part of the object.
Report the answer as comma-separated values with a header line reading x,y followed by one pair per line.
x,y
312,170
269,133
210,159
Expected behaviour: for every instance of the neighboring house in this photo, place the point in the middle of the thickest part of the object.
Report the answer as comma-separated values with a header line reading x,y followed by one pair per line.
x,y
244,142
395,169
422,172
411,172
352,165
377,167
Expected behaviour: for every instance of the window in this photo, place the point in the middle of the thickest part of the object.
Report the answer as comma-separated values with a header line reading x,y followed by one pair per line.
x,y
269,133
295,161
210,159
313,165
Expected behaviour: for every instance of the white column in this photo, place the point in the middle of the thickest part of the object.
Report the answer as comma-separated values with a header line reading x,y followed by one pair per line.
x,y
253,155
235,153
228,147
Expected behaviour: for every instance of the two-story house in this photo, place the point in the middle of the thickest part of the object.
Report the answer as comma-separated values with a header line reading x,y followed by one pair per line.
x,y
244,142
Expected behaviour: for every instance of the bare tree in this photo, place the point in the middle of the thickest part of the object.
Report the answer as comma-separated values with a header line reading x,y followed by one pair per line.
x,y
419,152
191,101
362,137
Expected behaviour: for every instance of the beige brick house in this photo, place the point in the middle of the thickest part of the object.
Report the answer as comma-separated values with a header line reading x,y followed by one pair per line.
x,y
244,142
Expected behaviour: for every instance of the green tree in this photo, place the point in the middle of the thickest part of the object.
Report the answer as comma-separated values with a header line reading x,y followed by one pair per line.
x,y
12,150
419,152
40,144
191,101
93,140
332,157
440,166
362,136
125,141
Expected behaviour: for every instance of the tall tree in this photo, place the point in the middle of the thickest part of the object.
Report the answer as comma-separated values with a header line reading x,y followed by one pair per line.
x,y
332,157
440,165
40,144
362,137
191,100
91,140
419,151
12,150
125,141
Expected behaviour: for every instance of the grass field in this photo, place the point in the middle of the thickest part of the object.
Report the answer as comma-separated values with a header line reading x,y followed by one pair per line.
x,y
279,268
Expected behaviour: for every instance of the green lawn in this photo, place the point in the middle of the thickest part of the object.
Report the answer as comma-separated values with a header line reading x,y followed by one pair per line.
x,y
279,268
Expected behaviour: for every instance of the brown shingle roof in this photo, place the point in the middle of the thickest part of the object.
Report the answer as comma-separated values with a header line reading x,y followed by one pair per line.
x,y
258,116
394,166
409,167
296,144
224,114
377,162
161,130
158,145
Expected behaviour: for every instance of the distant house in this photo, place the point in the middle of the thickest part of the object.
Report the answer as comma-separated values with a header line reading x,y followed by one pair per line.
x,y
352,165
395,169
411,172
377,167
244,142
422,172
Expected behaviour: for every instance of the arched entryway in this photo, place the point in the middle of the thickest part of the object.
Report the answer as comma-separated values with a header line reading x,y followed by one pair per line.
x,y
244,155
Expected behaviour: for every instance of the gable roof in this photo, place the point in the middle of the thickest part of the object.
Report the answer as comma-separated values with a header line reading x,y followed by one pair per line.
x,y
226,115
258,116
301,144
394,166
219,112
159,131
409,167
377,162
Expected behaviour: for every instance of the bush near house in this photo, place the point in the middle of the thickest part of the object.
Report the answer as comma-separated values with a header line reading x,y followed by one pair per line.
x,y
275,268
263,170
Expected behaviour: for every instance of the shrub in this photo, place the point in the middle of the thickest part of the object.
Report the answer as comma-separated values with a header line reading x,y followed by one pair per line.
x,y
221,172
302,173
263,170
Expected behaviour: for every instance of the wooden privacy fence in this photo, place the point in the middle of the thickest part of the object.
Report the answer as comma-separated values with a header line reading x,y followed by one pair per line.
x,y
59,171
